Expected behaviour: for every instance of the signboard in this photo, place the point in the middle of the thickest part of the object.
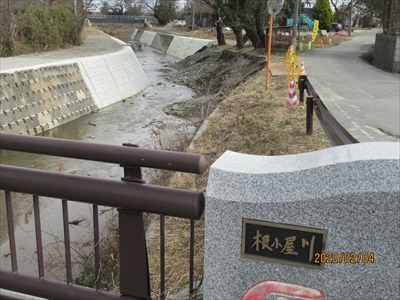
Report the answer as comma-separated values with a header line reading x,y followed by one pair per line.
x,y
346,23
282,243
315,30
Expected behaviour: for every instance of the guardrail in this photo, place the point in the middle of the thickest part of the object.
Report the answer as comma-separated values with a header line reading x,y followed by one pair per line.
x,y
131,196
335,132
119,17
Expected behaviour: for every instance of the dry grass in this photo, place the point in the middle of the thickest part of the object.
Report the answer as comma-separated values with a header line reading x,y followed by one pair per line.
x,y
254,121
251,121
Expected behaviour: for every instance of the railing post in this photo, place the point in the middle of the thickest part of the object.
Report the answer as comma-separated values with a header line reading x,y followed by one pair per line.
x,y
302,83
134,267
309,115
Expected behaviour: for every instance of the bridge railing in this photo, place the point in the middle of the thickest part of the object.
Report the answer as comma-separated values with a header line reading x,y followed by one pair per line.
x,y
335,132
131,196
119,17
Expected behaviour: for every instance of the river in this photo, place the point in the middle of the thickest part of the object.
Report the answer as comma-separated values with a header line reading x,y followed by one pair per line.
x,y
138,119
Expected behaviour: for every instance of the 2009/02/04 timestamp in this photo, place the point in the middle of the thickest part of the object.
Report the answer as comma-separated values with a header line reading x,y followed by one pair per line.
x,y
348,257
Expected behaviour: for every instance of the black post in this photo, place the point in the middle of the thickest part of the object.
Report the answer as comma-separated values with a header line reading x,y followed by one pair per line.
x,y
302,83
309,115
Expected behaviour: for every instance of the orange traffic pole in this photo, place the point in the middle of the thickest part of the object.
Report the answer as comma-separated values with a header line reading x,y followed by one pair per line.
x,y
271,19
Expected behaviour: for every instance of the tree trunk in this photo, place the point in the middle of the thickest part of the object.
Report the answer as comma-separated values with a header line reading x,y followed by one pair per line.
x,y
260,23
253,37
239,37
160,19
386,28
220,34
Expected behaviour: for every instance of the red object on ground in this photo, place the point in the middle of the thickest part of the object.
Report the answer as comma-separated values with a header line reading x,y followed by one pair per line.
x,y
263,289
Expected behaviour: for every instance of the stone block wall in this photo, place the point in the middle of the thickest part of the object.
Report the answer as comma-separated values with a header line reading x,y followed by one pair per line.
x,y
33,101
387,53
44,96
396,64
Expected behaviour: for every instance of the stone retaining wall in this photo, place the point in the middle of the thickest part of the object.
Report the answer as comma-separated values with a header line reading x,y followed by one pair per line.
x,y
387,53
33,101
42,97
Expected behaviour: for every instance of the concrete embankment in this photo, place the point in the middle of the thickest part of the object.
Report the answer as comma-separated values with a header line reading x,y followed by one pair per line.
x,y
177,46
39,97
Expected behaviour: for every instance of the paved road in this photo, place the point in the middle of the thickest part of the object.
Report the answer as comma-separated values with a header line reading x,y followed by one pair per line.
x,y
364,99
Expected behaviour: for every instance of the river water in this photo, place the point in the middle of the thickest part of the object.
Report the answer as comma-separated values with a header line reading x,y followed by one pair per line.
x,y
138,119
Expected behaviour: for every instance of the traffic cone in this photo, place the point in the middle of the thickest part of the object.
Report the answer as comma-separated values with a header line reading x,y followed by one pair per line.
x,y
301,46
303,70
292,97
309,45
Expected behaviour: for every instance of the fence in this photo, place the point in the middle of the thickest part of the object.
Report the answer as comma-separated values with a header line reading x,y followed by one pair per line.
x,y
334,131
119,17
131,196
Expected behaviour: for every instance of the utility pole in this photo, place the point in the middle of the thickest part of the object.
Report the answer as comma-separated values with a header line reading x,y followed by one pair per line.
x,y
194,7
298,34
295,21
351,14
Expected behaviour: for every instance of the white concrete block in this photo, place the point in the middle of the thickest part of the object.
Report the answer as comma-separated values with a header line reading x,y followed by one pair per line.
x,y
133,34
147,37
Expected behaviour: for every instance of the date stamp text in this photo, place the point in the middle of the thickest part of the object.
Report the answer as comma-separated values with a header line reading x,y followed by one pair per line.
x,y
347,257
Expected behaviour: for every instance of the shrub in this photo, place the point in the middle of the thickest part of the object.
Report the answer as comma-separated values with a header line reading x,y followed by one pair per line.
x,y
40,29
323,12
49,28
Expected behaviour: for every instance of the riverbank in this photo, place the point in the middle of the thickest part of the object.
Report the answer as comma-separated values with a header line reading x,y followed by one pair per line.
x,y
44,90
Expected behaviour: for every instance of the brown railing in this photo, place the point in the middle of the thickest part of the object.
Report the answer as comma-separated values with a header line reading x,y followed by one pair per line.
x,y
131,196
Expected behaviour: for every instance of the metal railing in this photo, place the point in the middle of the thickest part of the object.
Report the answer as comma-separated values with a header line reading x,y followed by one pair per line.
x,y
131,196
335,132
119,17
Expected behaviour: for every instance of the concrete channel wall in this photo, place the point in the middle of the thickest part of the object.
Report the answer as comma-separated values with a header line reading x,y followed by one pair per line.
x,y
39,98
36,100
177,46
42,97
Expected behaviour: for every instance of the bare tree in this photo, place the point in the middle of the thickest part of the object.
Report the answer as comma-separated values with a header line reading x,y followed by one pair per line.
x,y
220,33
164,10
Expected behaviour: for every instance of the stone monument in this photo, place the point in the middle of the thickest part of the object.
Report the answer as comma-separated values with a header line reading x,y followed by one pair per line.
x,y
327,220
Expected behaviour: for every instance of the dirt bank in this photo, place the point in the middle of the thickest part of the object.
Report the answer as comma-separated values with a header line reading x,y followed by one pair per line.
x,y
212,74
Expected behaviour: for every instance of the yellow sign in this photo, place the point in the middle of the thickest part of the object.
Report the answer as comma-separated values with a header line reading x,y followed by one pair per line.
x,y
315,30
292,65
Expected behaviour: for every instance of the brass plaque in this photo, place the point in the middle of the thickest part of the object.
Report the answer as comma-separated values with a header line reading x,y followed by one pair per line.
x,y
282,243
